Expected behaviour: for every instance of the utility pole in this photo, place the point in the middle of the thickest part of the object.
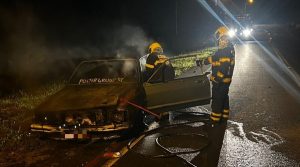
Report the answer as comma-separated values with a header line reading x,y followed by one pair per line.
x,y
176,17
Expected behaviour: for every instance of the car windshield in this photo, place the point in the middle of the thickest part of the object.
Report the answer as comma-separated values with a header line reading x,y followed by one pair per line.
x,y
106,71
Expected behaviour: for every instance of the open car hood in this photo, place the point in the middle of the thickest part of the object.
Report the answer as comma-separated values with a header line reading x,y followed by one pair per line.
x,y
81,97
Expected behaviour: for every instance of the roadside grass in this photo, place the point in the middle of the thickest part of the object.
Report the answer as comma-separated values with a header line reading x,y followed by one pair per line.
x,y
28,100
16,113
186,61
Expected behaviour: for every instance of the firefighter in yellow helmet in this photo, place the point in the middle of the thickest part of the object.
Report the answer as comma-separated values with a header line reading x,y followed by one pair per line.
x,y
222,70
155,47
158,67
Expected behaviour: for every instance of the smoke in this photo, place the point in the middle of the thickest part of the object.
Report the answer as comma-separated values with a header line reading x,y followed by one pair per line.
x,y
32,53
133,37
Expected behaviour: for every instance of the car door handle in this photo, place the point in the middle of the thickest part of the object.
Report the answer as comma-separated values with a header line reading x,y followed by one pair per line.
x,y
197,81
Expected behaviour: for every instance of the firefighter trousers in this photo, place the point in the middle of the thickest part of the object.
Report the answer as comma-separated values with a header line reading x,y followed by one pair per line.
x,y
220,102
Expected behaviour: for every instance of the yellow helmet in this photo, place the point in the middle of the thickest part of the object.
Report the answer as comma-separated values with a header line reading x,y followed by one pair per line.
x,y
155,47
221,31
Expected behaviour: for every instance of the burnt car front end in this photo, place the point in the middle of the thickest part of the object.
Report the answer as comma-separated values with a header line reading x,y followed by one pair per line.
x,y
91,106
95,123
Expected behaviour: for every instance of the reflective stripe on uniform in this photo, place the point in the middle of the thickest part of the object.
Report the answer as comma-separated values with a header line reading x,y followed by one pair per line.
x,y
224,59
216,114
225,116
149,65
226,111
215,118
216,63
226,80
219,74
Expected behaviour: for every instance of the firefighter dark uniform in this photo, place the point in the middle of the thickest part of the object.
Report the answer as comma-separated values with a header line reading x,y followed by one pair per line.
x,y
158,67
222,70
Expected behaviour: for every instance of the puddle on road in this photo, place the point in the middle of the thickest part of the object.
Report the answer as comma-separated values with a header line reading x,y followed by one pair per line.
x,y
253,149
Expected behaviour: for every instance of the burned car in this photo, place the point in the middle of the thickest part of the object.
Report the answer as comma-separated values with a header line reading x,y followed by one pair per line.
x,y
105,98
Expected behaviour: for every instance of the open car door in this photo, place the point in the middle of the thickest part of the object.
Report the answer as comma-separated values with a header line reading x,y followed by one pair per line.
x,y
190,87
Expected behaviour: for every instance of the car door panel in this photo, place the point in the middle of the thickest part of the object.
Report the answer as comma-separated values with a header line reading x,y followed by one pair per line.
x,y
189,91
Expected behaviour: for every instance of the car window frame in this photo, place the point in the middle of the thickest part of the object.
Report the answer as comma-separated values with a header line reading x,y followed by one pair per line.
x,y
138,71
177,57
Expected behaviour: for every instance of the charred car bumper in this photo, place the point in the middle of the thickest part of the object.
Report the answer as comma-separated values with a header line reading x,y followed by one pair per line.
x,y
68,133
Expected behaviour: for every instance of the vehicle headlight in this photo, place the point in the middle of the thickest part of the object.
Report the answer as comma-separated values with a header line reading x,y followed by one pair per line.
x,y
232,32
247,32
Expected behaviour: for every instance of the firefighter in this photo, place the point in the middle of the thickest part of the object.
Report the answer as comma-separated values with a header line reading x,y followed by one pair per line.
x,y
222,69
158,67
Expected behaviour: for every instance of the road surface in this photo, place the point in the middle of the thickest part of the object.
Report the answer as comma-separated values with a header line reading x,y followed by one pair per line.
x,y
265,111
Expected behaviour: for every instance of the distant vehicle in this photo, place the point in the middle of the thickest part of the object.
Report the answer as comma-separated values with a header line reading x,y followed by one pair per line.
x,y
95,102
242,28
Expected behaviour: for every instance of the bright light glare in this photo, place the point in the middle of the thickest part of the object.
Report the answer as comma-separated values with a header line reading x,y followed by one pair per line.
x,y
250,1
247,32
232,33
288,86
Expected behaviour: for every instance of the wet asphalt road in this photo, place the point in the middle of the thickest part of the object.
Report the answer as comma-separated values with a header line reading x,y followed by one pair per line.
x,y
265,105
264,121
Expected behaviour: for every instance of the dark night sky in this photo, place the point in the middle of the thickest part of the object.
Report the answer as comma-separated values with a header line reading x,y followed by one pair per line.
x,y
39,32
82,23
